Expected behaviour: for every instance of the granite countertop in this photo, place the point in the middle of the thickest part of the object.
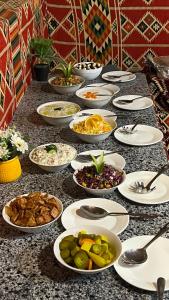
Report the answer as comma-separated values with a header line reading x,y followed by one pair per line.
x,y
28,267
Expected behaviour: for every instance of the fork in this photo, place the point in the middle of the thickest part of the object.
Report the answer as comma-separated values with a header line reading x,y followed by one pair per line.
x,y
140,188
88,158
127,130
125,101
118,76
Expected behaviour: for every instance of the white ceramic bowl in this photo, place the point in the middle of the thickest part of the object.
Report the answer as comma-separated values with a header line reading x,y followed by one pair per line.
x,y
87,74
52,168
66,89
58,120
113,239
36,229
94,103
93,138
99,192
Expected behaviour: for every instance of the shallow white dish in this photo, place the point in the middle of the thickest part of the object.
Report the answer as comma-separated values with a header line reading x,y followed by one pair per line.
x,y
126,78
87,74
93,138
114,159
138,104
114,239
159,195
110,87
99,192
35,229
66,89
58,120
51,168
144,276
99,101
143,135
116,224
96,111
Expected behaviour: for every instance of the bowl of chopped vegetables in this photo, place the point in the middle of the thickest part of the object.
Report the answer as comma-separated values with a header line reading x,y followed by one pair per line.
x,y
63,85
99,178
94,97
88,70
87,250
94,128
53,157
58,113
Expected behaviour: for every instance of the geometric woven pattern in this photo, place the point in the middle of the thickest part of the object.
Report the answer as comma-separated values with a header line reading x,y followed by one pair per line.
x,y
121,32
18,23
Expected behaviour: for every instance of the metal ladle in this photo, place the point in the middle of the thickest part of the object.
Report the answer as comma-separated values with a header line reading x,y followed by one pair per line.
x,y
139,256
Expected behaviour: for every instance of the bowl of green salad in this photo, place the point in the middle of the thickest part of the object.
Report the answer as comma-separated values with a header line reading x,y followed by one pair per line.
x,y
58,113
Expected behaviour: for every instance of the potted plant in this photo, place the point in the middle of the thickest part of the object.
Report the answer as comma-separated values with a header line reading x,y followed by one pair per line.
x,y
11,145
41,49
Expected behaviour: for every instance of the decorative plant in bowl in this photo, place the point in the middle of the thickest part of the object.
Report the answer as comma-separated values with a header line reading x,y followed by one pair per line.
x,y
11,145
66,82
100,178
42,50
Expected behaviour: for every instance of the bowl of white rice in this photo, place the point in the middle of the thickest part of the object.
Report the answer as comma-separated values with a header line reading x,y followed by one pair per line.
x,y
58,113
53,157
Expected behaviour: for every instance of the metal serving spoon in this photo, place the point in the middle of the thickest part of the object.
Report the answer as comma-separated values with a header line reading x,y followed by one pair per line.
x,y
160,287
95,212
139,256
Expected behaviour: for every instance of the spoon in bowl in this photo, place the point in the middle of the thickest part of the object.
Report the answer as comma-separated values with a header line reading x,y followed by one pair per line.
x,y
139,256
94,212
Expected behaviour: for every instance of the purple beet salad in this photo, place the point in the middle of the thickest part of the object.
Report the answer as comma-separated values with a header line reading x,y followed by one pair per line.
x,y
108,178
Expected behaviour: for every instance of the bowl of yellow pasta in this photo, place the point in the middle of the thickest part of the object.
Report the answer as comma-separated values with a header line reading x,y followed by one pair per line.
x,y
94,128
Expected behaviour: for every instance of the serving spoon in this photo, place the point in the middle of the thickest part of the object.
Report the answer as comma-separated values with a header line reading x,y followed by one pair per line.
x,y
95,212
139,256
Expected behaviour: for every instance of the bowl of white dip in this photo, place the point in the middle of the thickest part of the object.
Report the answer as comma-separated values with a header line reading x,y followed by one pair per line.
x,y
53,157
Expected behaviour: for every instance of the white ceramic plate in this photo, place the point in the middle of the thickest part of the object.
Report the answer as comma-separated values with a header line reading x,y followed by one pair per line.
x,y
128,76
96,111
114,89
115,224
137,104
144,276
114,159
143,135
159,195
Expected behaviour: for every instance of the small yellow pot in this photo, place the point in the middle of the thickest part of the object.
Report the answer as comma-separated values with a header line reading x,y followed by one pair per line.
x,y
10,170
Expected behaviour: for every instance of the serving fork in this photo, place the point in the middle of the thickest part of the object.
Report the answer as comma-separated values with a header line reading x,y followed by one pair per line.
x,y
87,157
140,188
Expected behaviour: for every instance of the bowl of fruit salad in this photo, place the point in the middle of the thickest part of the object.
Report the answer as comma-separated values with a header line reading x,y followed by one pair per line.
x,y
99,178
93,128
87,250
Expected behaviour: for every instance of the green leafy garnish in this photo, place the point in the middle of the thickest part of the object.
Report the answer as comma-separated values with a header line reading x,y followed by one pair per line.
x,y
51,148
98,163
66,69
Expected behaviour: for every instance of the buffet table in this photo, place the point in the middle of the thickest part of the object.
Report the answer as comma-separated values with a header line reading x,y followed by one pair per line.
x,y
29,269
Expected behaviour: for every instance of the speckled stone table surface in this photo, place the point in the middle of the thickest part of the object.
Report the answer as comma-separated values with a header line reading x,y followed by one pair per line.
x,y
28,268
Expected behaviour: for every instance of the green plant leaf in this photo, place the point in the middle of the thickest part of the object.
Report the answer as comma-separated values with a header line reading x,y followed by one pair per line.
x,y
98,163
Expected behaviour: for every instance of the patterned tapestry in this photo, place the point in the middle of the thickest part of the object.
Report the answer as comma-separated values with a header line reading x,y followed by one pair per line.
x,y
122,32
19,21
